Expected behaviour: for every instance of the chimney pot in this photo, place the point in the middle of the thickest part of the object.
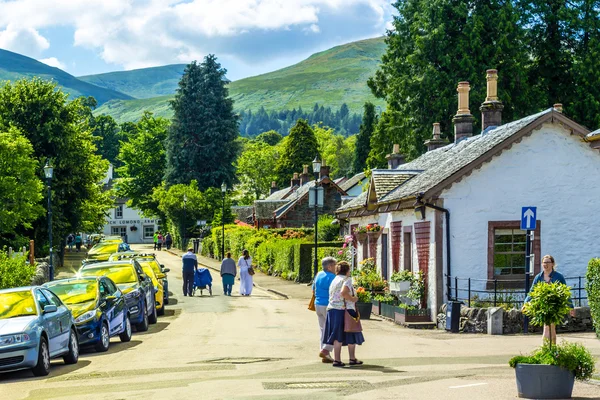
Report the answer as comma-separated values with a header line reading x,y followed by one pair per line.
x,y
395,159
463,120
492,85
463,98
396,149
436,141
491,108
558,107
436,131
295,180
274,187
305,177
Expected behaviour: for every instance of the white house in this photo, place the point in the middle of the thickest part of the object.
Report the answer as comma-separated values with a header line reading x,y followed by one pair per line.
x,y
469,196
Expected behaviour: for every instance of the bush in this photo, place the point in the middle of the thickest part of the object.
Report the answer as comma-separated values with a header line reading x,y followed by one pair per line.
x,y
571,356
15,271
593,292
549,303
404,275
326,230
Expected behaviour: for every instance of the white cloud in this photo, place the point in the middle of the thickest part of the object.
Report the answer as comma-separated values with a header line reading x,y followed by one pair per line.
x,y
136,33
22,40
53,62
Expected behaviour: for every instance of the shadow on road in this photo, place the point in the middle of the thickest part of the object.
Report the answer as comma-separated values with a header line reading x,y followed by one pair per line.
x,y
115,347
376,368
159,326
58,368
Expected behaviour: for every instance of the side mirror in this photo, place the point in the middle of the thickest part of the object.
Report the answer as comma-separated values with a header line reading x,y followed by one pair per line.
x,y
162,266
110,299
161,276
165,270
50,308
143,277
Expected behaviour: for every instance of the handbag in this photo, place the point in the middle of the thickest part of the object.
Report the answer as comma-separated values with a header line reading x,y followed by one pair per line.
x,y
351,324
250,269
311,303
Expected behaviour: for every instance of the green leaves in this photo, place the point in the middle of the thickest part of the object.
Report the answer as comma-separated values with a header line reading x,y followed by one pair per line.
x,y
299,148
549,303
593,291
15,271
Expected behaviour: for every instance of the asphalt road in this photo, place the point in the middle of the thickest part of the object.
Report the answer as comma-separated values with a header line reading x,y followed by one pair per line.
x,y
266,347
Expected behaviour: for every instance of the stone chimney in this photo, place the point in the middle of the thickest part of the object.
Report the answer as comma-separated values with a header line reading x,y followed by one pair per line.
x,y
395,159
558,107
324,170
463,120
295,180
491,109
436,140
274,187
305,177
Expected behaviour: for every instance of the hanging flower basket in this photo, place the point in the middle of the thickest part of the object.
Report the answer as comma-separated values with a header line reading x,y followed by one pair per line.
x,y
361,236
133,228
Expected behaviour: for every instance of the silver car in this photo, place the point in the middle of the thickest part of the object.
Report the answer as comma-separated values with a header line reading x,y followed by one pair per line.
x,y
35,326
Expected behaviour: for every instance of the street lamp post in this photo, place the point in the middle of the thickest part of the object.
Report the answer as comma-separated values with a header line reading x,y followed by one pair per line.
x,y
316,164
184,243
223,192
49,172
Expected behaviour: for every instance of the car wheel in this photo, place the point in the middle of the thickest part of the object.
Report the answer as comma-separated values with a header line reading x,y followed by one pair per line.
x,y
161,311
73,354
42,368
104,340
143,326
152,318
125,336
166,301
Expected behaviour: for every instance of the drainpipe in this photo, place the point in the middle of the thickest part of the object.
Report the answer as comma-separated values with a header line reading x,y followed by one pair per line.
x,y
448,265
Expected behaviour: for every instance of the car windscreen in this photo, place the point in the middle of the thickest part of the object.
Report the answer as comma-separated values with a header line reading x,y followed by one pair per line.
x,y
17,304
75,292
105,248
118,274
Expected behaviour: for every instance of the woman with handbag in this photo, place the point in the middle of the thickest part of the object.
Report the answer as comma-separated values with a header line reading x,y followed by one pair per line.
x,y
342,327
246,272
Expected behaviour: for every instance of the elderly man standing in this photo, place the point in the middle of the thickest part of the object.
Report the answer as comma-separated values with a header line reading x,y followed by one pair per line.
x,y
321,289
190,265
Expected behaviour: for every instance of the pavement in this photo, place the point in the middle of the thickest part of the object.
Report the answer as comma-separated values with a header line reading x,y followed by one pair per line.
x,y
266,347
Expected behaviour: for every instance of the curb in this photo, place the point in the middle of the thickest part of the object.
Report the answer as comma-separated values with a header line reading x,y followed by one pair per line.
x,y
285,296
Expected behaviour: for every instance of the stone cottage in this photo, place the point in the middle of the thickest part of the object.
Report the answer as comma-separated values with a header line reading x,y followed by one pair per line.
x,y
454,212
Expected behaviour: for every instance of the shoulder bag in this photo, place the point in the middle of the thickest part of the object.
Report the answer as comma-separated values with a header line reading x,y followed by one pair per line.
x,y
351,324
250,269
311,303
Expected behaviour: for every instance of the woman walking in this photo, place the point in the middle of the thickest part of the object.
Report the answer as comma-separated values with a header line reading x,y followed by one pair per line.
x,y
342,298
246,284
228,272
550,275
321,289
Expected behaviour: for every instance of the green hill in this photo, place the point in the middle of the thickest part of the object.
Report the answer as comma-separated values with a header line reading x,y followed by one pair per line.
x,y
14,66
140,83
331,78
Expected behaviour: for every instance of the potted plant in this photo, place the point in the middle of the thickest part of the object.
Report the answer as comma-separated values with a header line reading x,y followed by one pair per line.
x,y
361,233
373,232
400,281
550,371
364,305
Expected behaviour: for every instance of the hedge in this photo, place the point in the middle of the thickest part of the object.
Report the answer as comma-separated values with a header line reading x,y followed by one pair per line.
x,y
15,271
593,292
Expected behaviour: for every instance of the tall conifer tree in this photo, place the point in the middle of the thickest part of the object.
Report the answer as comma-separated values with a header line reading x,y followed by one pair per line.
x,y
299,148
363,139
201,143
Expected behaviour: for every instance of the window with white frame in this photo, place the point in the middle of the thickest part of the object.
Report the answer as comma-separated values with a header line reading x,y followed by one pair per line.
x,y
148,231
119,212
118,230
509,252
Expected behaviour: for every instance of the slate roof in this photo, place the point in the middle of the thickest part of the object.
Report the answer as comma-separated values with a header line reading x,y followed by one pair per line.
x,y
242,212
294,198
264,208
280,194
357,202
386,180
353,181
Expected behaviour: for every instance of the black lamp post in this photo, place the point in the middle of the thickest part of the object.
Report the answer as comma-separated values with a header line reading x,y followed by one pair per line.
x,y
316,164
184,244
49,173
223,192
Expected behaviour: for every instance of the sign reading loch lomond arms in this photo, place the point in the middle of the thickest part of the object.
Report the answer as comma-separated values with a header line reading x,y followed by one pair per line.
x,y
133,221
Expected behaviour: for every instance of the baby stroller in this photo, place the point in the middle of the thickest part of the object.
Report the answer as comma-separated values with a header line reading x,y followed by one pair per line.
x,y
202,279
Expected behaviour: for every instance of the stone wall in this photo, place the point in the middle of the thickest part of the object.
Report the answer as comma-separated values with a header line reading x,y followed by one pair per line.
x,y
42,270
301,215
474,320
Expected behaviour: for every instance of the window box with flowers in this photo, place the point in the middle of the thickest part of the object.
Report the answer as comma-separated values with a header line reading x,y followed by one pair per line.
x,y
133,228
373,232
361,233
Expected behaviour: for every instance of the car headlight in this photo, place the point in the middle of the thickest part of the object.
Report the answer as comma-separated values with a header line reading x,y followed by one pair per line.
x,y
8,340
133,294
86,316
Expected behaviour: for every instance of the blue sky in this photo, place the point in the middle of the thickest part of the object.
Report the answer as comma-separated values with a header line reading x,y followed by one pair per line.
x,y
248,36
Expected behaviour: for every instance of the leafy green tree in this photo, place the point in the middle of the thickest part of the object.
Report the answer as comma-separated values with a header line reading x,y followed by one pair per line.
x,y
335,150
20,187
109,138
299,148
256,169
15,271
363,139
57,131
143,158
270,137
201,143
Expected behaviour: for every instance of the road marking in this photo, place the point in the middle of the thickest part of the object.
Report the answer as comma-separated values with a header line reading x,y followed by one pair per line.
x,y
464,386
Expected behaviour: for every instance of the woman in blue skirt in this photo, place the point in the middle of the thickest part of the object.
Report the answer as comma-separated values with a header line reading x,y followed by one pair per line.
x,y
342,297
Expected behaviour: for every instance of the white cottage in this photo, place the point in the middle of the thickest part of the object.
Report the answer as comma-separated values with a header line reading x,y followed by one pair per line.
x,y
469,196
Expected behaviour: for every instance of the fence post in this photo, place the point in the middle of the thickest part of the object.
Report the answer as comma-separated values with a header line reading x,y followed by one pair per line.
x,y
31,252
469,301
579,290
455,288
495,290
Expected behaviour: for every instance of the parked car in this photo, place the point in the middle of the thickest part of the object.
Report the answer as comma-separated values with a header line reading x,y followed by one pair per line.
x,y
35,326
98,307
154,270
103,250
135,285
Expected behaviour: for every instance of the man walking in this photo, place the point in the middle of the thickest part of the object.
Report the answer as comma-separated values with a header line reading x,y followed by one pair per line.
x,y
190,265
155,238
321,289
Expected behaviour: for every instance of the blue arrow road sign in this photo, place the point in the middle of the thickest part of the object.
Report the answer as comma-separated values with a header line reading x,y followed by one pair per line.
x,y
528,218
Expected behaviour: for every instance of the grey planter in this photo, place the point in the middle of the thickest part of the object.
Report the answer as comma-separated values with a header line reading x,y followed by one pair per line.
x,y
544,381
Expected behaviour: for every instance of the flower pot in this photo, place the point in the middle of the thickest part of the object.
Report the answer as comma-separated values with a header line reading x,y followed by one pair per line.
x,y
387,310
361,236
544,381
364,309
374,236
400,286
376,307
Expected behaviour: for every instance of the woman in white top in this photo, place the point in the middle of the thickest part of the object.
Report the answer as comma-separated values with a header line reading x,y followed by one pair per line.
x,y
246,284
342,297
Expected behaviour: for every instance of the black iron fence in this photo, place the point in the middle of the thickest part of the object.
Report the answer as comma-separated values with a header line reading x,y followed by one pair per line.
x,y
504,293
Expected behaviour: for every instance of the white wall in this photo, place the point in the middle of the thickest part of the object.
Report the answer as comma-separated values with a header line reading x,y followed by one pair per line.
x,y
131,217
549,169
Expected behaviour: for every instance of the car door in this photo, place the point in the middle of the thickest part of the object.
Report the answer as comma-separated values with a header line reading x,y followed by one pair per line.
x,y
108,307
146,285
50,322
64,318
118,306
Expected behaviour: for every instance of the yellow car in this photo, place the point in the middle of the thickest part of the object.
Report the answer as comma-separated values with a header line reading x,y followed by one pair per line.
x,y
103,250
153,269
